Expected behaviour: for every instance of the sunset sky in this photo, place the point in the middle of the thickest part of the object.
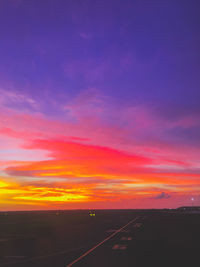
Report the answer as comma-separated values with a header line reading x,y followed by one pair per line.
x,y
99,104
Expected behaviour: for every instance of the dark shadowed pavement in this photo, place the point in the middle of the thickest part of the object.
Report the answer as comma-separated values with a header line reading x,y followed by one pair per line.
x,y
111,238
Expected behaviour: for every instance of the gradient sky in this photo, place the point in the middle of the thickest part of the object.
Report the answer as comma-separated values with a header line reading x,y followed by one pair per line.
x,y
99,104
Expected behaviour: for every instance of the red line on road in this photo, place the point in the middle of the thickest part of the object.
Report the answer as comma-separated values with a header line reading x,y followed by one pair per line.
x,y
99,244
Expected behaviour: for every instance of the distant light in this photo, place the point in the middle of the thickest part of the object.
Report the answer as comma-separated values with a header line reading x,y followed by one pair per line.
x,y
192,199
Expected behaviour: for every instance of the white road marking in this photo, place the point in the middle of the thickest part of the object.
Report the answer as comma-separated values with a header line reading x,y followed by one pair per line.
x,y
137,225
119,247
99,244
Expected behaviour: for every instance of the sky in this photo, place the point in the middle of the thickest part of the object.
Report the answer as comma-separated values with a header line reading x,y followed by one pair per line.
x,y
99,104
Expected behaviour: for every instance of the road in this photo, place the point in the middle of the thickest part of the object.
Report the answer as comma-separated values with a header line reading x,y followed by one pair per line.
x,y
111,238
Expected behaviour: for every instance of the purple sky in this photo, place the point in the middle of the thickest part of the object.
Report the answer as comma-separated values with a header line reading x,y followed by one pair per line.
x,y
123,75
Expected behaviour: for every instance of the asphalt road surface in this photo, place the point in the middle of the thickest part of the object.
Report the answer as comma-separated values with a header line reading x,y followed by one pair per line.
x,y
110,238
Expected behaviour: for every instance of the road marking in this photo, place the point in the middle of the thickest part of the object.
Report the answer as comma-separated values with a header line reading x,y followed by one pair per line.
x,y
137,225
113,230
99,244
119,247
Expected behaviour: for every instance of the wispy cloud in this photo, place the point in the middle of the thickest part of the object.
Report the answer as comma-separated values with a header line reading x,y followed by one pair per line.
x,y
12,98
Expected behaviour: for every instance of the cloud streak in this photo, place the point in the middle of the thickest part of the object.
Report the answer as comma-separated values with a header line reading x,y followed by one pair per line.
x,y
106,153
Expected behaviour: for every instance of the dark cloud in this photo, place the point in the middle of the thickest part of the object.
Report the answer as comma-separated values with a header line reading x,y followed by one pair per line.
x,y
162,195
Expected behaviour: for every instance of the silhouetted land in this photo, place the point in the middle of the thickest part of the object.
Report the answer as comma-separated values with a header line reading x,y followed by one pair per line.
x,y
57,238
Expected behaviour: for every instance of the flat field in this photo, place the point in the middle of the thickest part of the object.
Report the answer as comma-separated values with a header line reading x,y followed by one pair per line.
x,y
110,238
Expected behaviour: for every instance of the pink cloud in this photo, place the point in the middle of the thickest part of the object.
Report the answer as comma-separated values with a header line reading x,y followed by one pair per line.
x,y
135,131
9,96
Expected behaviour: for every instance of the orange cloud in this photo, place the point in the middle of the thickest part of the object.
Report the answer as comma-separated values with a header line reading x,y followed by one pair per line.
x,y
89,160
94,174
12,192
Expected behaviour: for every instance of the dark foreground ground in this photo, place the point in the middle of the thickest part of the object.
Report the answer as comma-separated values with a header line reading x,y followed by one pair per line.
x,y
57,239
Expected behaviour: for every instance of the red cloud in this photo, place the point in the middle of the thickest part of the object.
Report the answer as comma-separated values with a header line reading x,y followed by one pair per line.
x,y
72,159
